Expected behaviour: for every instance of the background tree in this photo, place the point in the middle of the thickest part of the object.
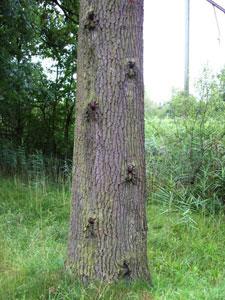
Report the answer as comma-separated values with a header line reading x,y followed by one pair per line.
x,y
108,224
36,103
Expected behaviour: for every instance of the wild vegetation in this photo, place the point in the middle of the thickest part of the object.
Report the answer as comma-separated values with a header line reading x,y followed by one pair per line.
x,y
185,144
185,210
186,254
185,156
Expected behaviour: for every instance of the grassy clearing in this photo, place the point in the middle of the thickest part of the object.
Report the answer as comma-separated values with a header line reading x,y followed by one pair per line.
x,y
186,255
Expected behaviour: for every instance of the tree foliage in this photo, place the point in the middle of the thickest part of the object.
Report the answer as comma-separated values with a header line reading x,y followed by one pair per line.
x,y
36,102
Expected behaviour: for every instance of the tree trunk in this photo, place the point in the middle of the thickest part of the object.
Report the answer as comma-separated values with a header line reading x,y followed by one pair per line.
x,y
108,230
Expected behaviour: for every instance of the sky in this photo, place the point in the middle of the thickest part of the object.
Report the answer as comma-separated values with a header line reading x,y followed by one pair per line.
x,y
164,44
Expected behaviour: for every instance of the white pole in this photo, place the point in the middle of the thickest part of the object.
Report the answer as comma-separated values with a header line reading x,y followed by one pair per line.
x,y
187,46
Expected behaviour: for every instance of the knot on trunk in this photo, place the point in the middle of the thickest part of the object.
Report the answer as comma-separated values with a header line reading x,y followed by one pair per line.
x,y
131,73
125,272
131,174
92,111
90,228
91,20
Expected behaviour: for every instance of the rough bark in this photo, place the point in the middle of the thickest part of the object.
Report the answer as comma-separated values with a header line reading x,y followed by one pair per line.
x,y
107,239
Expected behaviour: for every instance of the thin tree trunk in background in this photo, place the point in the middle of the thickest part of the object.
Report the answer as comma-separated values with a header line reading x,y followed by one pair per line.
x,y
107,239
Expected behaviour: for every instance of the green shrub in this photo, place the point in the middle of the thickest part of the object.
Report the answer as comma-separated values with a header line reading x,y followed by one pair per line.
x,y
185,149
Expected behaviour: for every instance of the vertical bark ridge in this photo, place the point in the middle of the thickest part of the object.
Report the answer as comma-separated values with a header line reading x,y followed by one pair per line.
x,y
108,229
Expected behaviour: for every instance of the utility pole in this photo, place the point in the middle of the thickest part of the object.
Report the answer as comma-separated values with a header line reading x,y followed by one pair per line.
x,y
187,46
187,41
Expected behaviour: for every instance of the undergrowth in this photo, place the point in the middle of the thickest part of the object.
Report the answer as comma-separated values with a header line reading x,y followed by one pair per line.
x,y
186,254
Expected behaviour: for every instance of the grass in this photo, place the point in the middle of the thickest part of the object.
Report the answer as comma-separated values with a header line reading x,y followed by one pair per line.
x,y
186,255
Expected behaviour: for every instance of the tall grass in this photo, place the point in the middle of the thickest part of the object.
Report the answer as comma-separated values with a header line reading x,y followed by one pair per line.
x,y
186,258
34,167
185,153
